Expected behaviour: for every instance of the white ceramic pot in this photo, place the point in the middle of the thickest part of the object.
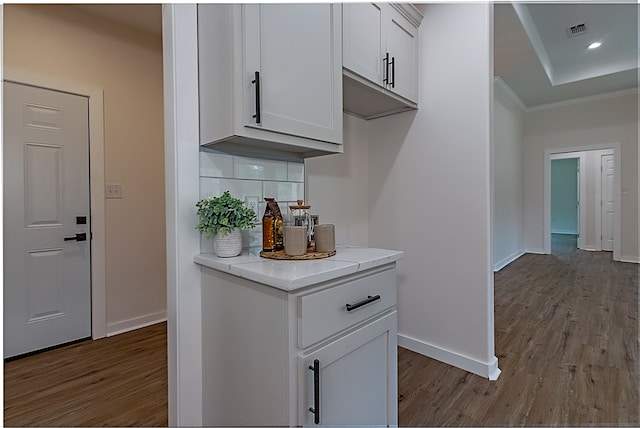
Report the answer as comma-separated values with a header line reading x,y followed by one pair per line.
x,y
229,245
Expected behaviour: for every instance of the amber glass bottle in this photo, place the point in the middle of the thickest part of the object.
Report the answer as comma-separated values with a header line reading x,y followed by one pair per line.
x,y
272,227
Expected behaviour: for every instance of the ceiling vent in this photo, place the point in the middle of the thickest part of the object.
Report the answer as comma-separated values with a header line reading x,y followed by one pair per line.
x,y
576,30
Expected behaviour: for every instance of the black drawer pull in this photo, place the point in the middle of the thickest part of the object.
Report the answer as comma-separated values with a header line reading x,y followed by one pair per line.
x,y
316,391
369,299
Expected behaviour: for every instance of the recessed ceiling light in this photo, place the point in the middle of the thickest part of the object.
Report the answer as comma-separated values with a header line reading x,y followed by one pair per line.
x,y
594,45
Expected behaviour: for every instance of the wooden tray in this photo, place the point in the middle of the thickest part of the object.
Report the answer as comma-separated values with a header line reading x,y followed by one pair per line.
x,y
280,255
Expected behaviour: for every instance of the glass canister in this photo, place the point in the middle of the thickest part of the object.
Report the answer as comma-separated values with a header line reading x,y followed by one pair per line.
x,y
272,227
302,217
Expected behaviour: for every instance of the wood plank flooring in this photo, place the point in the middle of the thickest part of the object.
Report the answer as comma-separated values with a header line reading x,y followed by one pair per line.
x,y
117,381
566,339
567,343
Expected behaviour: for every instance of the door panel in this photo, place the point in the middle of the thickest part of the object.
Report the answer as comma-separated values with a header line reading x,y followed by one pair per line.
x,y
402,43
47,284
357,378
608,201
43,185
300,77
362,35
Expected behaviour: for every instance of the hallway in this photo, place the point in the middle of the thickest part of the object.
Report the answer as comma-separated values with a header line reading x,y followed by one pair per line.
x,y
567,344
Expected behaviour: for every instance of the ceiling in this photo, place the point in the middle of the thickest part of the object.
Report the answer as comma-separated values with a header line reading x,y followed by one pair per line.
x,y
537,58
533,53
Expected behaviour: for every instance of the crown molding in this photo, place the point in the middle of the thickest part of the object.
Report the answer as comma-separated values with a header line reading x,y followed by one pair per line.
x,y
588,99
506,89
410,12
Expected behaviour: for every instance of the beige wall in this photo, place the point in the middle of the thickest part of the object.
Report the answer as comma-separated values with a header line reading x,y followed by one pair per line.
x,y
62,42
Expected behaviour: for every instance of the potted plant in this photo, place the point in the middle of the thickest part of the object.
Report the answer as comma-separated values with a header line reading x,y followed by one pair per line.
x,y
222,217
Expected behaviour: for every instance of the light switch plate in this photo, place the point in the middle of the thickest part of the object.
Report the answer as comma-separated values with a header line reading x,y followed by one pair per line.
x,y
113,191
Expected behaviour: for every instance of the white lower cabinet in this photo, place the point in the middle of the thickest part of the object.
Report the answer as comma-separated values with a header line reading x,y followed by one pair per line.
x,y
322,355
346,381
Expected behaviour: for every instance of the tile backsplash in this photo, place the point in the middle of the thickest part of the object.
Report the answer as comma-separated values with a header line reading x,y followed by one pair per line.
x,y
250,177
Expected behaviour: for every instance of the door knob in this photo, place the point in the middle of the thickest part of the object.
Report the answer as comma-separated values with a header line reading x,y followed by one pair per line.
x,y
78,237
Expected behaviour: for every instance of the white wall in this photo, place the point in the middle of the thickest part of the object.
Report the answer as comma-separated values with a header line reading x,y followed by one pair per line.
x,y
421,182
62,42
507,178
429,192
337,186
582,125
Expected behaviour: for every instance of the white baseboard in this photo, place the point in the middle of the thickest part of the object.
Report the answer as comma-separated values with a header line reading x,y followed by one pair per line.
x,y
504,262
535,251
629,259
136,323
488,370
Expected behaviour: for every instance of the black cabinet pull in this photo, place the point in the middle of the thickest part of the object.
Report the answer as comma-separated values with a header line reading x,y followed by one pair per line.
x,y
361,303
385,60
316,391
393,72
257,83
78,237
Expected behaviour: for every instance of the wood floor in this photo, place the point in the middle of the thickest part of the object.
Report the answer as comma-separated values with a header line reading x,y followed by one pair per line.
x,y
117,381
567,343
566,338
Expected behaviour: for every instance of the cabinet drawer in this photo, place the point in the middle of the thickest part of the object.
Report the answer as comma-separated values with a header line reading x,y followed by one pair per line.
x,y
325,312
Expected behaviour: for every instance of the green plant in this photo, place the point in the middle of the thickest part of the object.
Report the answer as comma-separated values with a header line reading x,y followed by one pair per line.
x,y
223,213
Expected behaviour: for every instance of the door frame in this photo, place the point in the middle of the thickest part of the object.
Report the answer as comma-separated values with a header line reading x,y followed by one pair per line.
x,y
582,191
96,182
616,147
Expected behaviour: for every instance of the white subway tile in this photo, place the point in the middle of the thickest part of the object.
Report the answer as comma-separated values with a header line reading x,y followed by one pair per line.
x,y
283,191
252,237
259,169
210,187
295,172
216,165
206,244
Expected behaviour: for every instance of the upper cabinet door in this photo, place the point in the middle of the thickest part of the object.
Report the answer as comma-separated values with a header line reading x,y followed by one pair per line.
x,y
295,49
380,58
270,79
362,40
402,45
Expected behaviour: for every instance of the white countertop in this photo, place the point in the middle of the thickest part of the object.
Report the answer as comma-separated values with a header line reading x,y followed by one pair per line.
x,y
289,275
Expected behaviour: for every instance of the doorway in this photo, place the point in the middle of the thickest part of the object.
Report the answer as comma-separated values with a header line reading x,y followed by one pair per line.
x,y
598,209
96,172
567,192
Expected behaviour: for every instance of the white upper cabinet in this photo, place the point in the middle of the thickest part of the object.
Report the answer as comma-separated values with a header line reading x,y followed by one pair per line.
x,y
271,78
362,39
380,58
402,47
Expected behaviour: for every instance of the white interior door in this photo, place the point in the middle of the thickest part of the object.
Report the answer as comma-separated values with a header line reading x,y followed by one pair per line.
x,y
608,201
47,282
